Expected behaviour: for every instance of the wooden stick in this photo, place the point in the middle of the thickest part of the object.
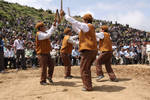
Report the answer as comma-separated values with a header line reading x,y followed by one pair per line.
x,y
61,5
58,17
69,11
55,19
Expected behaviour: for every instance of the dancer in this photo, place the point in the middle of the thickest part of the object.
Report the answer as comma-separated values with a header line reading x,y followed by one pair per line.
x,y
43,49
66,50
105,47
87,46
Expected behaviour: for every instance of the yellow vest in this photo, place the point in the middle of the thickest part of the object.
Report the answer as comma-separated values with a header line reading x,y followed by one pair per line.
x,y
106,43
87,41
66,47
42,46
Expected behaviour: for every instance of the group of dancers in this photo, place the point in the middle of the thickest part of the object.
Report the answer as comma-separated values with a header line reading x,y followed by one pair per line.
x,y
87,47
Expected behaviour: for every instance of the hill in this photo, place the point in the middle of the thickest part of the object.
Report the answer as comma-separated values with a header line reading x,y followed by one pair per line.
x,y
21,19
14,10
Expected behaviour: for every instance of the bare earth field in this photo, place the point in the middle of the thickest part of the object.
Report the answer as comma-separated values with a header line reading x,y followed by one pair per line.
x,y
134,84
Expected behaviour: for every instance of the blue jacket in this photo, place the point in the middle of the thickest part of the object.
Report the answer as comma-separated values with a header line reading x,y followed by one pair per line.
x,y
1,45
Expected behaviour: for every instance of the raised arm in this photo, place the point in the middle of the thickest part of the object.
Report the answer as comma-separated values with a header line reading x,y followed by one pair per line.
x,y
43,36
100,35
73,41
82,26
76,29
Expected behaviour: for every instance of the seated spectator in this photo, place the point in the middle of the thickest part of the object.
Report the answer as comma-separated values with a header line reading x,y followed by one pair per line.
x,y
34,58
122,55
28,55
9,57
53,55
133,57
127,56
116,57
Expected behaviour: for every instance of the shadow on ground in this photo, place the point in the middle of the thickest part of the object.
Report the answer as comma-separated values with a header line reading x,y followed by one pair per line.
x,y
108,88
119,80
65,83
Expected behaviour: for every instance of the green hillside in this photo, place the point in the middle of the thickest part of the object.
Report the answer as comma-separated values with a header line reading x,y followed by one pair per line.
x,y
11,10
22,19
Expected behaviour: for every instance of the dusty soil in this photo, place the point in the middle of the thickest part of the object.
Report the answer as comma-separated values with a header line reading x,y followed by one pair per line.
x,y
134,84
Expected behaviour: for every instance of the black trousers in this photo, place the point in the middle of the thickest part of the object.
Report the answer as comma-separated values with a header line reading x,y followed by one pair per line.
x,y
12,61
20,60
2,61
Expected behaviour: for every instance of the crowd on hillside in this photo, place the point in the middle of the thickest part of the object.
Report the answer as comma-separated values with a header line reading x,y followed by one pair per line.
x,y
129,44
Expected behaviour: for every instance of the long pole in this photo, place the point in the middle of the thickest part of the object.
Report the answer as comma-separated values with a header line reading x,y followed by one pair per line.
x,y
61,5
69,11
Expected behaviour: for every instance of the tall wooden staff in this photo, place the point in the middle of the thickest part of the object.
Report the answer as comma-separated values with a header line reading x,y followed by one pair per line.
x,y
61,8
69,11
58,17
55,19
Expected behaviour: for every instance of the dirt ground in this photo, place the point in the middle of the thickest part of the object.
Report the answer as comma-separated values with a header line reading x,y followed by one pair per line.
x,y
134,84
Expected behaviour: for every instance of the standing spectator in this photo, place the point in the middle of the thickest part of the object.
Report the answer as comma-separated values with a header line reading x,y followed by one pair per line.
x,y
12,57
20,52
34,58
139,54
148,52
6,56
1,54
143,48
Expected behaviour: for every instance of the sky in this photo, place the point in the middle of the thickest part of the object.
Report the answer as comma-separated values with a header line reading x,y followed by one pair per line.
x,y
136,13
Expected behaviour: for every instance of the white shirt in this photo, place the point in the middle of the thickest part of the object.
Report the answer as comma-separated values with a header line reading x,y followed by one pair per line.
x,y
56,46
47,34
99,36
19,44
121,53
133,54
75,53
148,48
12,53
127,55
8,53
53,53
77,26
72,40
77,30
